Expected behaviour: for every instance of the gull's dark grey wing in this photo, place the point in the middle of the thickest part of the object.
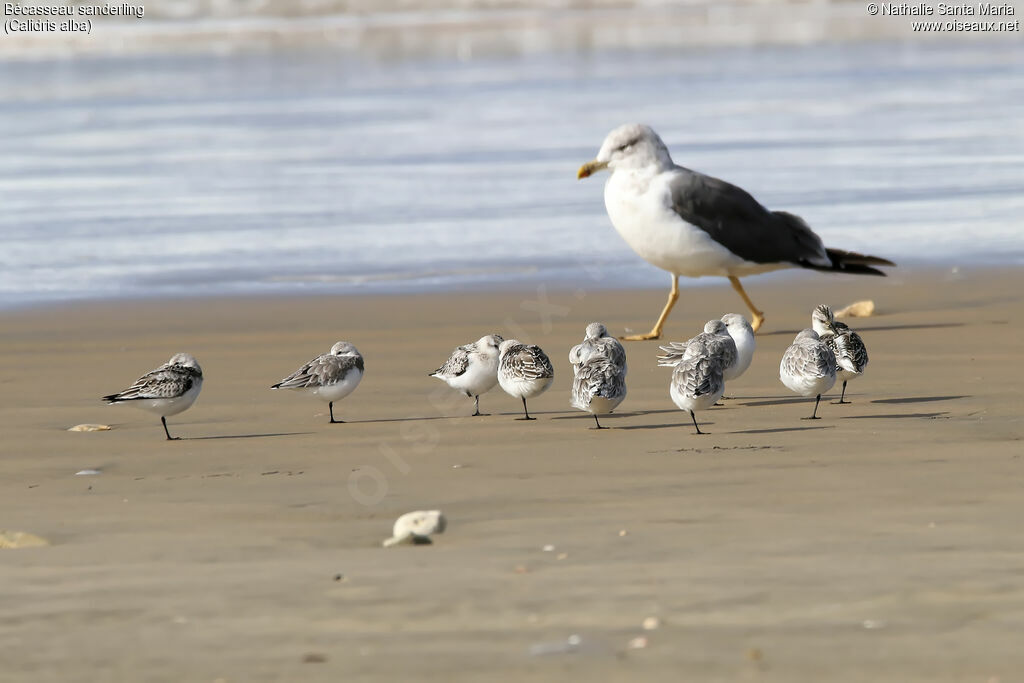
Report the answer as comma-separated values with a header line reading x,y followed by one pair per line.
x,y
733,218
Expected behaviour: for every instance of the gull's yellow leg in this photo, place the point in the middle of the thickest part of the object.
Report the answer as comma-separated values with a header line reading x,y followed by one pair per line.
x,y
673,296
758,316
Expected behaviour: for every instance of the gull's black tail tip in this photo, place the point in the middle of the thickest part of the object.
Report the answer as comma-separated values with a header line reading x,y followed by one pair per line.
x,y
852,262
113,398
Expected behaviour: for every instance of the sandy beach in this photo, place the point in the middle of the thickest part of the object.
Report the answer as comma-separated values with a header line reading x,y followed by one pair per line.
x,y
883,542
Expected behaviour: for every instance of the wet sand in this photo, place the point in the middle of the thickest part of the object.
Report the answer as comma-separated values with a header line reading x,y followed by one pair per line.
x,y
882,542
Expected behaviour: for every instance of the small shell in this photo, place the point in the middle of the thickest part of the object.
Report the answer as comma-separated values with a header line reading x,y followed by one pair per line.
x,y
89,428
858,309
21,539
416,527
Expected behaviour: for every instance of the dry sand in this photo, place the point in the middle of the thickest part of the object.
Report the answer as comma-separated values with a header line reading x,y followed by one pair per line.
x,y
883,542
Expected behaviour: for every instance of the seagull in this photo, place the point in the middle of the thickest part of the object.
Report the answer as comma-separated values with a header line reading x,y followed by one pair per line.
x,y
808,367
524,371
330,377
691,224
697,381
168,390
597,342
849,349
472,368
598,386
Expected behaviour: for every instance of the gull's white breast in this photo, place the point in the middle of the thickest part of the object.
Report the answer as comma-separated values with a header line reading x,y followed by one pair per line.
x,y
640,207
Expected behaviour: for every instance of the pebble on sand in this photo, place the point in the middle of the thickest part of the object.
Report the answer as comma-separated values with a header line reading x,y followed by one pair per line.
x,y
21,539
858,309
89,428
416,527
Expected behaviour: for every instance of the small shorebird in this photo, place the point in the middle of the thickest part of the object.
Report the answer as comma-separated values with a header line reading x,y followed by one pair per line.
x,y
598,386
524,371
472,368
597,342
695,225
168,390
849,349
743,336
697,381
808,368
330,377
715,341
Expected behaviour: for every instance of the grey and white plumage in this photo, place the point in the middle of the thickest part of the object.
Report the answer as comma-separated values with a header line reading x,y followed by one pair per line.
x,y
330,377
697,381
743,336
715,341
597,342
524,371
472,368
808,367
849,349
168,390
692,224
598,386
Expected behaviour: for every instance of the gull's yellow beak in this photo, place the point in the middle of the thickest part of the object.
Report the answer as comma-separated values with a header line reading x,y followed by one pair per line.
x,y
590,168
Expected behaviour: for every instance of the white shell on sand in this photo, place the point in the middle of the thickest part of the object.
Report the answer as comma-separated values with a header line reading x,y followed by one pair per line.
x,y
858,309
89,428
416,527
21,539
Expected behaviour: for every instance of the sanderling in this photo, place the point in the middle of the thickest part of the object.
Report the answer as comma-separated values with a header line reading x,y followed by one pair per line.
x,y
743,335
170,389
597,341
524,371
697,381
808,367
473,368
598,386
849,349
714,341
330,377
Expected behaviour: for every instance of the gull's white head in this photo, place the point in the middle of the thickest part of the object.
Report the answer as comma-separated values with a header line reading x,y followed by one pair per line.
x,y
822,319
187,360
344,348
631,146
596,331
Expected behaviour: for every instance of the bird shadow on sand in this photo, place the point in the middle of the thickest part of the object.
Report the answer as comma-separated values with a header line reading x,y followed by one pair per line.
x,y
918,399
777,430
611,417
879,328
239,436
894,416
674,425
780,402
